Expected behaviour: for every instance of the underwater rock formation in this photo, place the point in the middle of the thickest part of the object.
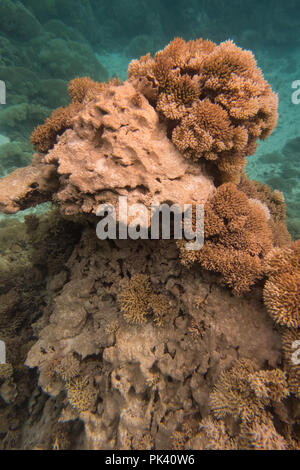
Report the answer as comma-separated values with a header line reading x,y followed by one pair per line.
x,y
135,349
117,146
150,376
214,98
27,186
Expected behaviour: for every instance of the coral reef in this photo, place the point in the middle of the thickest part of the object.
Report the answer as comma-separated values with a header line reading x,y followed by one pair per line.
x,y
116,147
245,392
282,289
237,238
275,203
23,294
152,379
115,344
139,302
214,98
44,136
80,394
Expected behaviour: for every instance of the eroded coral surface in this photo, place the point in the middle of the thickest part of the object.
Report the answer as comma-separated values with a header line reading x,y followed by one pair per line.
x,y
152,377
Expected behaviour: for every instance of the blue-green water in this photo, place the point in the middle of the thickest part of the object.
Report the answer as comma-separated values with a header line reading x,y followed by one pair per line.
x,y
44,44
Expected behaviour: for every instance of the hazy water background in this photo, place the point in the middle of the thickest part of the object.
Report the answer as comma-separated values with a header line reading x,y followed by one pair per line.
x,y
43,44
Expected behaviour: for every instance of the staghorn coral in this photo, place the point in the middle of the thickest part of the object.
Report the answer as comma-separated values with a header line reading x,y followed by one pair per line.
x,y
134,299
261,435
215,99
282,299
275,202
138,302
237,237
282,289
81,394
111,148
81,87
283,260
214,436
244,392
44,136
269,384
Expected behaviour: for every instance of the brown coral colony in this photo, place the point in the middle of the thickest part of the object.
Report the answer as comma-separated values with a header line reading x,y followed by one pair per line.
x,y
214,98
179,129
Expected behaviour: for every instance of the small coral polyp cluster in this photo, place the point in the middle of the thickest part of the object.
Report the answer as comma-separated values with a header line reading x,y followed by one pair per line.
x,y
214,98
135,350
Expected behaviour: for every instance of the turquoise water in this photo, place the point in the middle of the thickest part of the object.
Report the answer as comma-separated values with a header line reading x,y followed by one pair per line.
x,y
44,44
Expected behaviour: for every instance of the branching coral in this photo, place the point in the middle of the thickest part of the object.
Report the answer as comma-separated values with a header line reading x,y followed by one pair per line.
x,y
214,98
81,87
282,290
134,299
237,237
81,394
139,302
44,136
244,392
214,436
275,202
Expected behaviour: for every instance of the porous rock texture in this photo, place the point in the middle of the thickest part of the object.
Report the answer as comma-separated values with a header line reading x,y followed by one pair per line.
x,y
27,187
117,147
131,349
147,379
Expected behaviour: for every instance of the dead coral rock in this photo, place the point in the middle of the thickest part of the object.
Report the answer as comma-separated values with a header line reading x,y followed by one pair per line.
x,y
237,237
111,145
27,187
150,378
119,149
